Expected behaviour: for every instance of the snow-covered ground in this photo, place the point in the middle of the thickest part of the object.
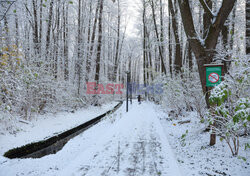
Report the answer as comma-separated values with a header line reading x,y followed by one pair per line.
x,y
45,126
142,142
196,157
130,143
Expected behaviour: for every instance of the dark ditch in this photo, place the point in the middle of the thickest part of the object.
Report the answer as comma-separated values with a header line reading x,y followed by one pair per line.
x,y
54,144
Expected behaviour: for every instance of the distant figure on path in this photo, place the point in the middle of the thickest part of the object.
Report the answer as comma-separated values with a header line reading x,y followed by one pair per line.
x,y
139,99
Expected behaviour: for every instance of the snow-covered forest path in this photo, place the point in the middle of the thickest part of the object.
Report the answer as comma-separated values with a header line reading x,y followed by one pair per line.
x,y
126,144
134,145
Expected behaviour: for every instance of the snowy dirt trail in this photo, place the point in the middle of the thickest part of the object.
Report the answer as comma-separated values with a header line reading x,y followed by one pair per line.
x,y
135,145
124,144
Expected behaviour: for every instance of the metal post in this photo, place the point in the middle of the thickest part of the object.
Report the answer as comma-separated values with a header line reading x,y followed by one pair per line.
x,y
127,92
130,88
131,98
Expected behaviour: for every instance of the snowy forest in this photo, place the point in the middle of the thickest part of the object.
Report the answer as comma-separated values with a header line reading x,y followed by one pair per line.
x,y
50,50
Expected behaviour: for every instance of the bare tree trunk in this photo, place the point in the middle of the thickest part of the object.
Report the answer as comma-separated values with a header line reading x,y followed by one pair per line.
x,y
248,27
207,19
158,37
162,38
189,57
149,56
66,46
99,44
8,40
117,41
49,30
169,42
79,59
88,63
99,50
41,26
178,55
35,29
17,28
56,43
144,42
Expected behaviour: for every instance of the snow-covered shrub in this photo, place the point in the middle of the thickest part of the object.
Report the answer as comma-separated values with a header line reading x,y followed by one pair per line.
x,y
27,87
230,107
7,123
182,93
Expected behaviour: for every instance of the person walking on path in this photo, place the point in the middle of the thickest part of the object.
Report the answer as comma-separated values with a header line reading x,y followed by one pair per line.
x,y
139,99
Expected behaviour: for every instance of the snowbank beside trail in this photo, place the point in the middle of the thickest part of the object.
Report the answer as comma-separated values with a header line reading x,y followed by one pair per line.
x,y
196,157
45,126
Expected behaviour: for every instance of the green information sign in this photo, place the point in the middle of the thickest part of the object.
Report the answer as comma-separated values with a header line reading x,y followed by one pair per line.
x,y
213,75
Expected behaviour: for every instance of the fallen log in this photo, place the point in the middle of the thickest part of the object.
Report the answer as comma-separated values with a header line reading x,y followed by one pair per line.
x,y
183,122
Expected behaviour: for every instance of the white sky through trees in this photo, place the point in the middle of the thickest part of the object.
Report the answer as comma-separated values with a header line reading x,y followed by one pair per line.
x,y
132,14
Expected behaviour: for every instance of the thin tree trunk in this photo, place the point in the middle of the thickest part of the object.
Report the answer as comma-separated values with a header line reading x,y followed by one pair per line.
x,y
158,37
178,55
88,63
79,37
149,54
117,41
99,44
169,42
66,47
41,26
49,30
248,27
17,29
56,42
189,56
162,38
35,29
144,42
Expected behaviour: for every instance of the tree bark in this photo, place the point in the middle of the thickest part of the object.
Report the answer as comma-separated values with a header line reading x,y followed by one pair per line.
x,y
178,55
66,46
90,52
41,26
162,38
207,18
144,41
158,38
35,29
189,56
99,44
17,29
117,41
79,59
248,27
49,30
169,42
